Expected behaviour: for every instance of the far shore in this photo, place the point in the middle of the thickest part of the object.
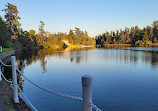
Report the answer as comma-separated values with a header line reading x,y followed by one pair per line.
x,y
155,44
81,46
123,45
117,44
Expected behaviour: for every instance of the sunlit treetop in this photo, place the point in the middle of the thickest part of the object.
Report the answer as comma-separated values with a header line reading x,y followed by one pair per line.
x,y
11,16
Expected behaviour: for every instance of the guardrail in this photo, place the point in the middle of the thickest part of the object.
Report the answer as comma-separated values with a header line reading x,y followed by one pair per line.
x,y
86,88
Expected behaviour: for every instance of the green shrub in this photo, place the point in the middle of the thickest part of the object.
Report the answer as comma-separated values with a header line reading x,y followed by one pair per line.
x,y
8,44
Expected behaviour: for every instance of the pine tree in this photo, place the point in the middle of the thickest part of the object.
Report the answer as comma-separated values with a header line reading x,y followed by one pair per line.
x,y
12,19
41,38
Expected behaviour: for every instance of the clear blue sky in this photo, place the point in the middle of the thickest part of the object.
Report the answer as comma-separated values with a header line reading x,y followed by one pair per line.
x,y
95,16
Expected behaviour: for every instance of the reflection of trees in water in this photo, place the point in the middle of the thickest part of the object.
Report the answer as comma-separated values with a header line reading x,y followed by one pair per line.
x,y
24,58
20,81
151,57
8,74
132,56
123,56
27,57
77,56
41,54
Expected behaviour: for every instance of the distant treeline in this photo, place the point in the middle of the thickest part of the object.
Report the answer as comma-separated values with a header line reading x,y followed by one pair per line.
x,y
134,35
74,37
13,36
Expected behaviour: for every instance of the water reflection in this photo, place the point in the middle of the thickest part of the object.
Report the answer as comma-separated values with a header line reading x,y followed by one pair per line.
x,y
122,55
26,57
98,62
146,55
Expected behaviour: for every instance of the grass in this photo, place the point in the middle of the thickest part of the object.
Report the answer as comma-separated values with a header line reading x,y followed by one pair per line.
x,y
6,49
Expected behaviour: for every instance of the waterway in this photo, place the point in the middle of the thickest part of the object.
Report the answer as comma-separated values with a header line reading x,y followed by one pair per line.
x,y
124,78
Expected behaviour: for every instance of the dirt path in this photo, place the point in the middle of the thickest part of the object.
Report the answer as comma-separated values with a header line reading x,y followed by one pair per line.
x,y
6,99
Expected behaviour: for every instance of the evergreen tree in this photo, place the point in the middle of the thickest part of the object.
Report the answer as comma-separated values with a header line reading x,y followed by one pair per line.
x,y
4,35
41,39
12,19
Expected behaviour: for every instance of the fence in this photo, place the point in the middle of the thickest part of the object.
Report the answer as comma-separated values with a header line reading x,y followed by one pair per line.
x,y
86,88
1,48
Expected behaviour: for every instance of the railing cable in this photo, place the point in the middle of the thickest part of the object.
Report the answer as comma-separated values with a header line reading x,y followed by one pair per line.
x,y
50,91
27,99
34,109
47,90
5,64
11,85
6,78
94,107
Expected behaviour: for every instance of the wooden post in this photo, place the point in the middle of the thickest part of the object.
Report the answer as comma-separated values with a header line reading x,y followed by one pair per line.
x,y
14,77
87,92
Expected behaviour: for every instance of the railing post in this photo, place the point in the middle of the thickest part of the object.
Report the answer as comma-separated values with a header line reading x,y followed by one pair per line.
x,y
0,73
14,77
87,92
1,48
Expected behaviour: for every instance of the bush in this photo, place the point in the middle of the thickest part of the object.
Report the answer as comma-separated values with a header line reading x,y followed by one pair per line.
x,y
143,43
8,44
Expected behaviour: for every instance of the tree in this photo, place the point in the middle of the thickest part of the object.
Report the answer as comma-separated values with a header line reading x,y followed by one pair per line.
x,y
41,28
41,39
122,37
12,19
71,36
32,32
108,40
151,36
127,38
77,31
155,30
145,37
4,34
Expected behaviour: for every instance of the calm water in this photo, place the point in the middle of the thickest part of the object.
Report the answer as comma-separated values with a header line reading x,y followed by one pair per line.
x,y
124,79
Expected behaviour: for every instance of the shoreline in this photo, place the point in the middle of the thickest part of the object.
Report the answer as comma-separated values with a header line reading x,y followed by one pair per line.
x,y
117,44
123,45
6,92
81,46
6,99
155,44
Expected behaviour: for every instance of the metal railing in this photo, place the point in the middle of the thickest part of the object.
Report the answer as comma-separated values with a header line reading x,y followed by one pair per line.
x,y
86,88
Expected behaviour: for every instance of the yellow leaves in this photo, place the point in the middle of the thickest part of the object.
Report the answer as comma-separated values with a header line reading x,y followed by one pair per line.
x,y
14,37
19,32
31,38
13,8
32,32
18,17
12,18
145,43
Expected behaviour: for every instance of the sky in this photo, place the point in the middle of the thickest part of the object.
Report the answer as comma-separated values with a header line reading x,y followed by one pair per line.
x,y
94,16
